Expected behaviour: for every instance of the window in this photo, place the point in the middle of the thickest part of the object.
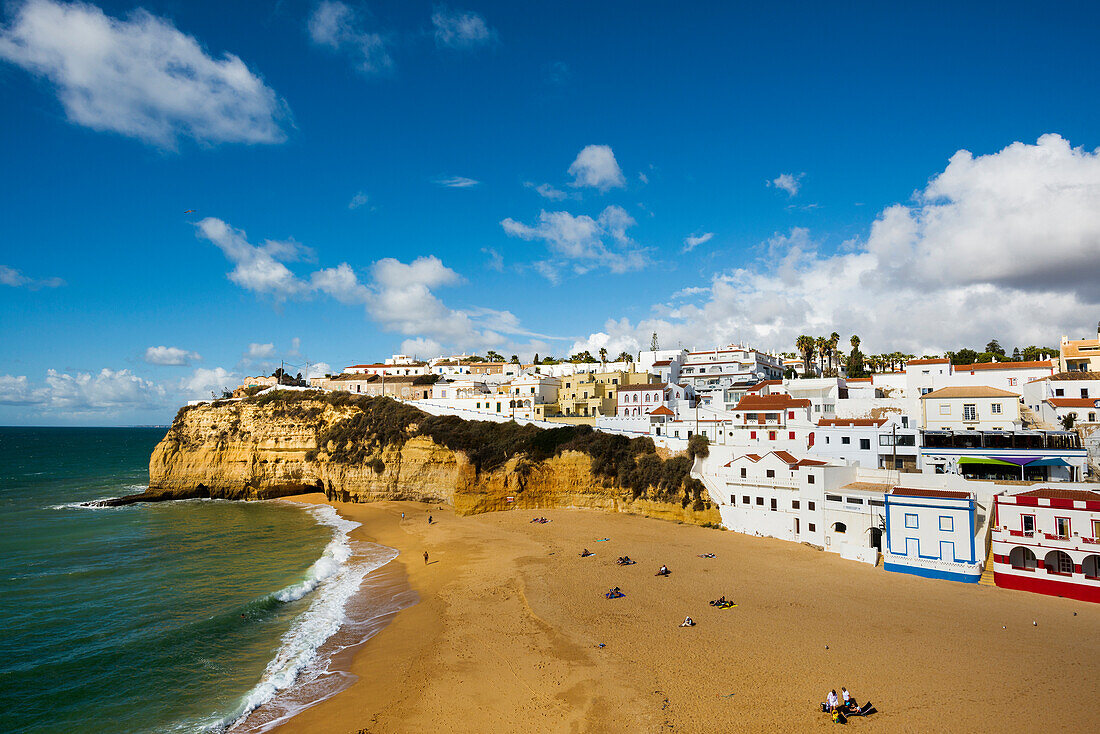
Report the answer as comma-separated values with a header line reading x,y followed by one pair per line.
x,y
1059,392
790,413
1096,528
864,444
810,479
996,409
771,473
1084,392
744,472
947,523
1059,563
945,409
1012,381
760,501
833,497
845,440
1022,559
774,508
745,499
840,527
910,520
855,501
752,435
876,503
812,527
1061,527
970,412
733,499
812,506
790,435
794,504
1027,523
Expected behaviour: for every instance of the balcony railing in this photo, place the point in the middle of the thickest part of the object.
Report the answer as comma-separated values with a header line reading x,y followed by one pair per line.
x,y
1053,536
1094,541
1021,533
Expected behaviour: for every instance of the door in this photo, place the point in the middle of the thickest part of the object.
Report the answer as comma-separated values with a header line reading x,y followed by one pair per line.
x,y
796,526
876,538
947,551
912,547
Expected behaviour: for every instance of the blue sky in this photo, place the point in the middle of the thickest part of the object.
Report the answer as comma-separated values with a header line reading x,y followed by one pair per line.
x,y
392,154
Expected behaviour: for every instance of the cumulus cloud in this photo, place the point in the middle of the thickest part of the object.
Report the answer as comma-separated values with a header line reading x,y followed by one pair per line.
x,y
457,182
16,279
336,26
585,243
260,351
81,392
319,369
358,200
1003,245
596,167
693,241
202,382
460,29
140,77
170,356
17,390
789,182
398,296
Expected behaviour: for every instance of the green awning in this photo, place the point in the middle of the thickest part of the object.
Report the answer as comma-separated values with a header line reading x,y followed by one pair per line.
x,y
986,461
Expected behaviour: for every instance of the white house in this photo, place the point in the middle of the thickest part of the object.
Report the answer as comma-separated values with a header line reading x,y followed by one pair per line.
x,y
970,408
875,443
933,533
712,371
641,400
771,422
389,369
1047,540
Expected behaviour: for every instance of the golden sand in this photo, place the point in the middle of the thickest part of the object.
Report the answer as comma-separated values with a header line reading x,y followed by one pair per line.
x,y
506,636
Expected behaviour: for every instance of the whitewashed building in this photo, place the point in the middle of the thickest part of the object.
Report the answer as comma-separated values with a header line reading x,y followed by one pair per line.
x,y
933,533
970,409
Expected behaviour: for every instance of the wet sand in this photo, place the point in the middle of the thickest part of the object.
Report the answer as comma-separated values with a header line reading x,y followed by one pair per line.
x,y
506,636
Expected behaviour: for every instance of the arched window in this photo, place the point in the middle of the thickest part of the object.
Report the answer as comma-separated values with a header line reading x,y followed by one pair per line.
x,y
1058,562
840,527
1091,567
1022,559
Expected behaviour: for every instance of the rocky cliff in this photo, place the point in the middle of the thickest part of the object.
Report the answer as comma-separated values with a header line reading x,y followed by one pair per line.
x,y
363,450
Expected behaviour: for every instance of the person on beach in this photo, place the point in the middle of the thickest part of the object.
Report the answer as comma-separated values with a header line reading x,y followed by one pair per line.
x,y
429,519
425,558
831,701
688,622
663,572
846,696
585,553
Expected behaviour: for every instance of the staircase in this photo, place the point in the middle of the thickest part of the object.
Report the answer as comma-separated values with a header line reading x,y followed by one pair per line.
x,y
1030,419
987,571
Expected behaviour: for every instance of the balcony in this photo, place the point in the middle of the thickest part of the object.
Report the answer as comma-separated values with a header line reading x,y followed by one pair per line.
x,y
1050,536
1022,533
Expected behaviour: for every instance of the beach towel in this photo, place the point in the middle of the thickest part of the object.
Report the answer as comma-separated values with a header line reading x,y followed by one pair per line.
x,y
865,710
726,605
602,540
614,595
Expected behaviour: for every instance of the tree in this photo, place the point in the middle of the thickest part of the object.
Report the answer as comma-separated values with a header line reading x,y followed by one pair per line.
x,y
515,359
653,343
805,346
855,342
995,347
603,355
1016,354
1067,421
624,357
536,360
822,345
855,360
834,342
493,356
964,356
698,445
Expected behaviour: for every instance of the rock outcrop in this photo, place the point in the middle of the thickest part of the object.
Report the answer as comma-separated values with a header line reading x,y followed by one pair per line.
x,y
261,450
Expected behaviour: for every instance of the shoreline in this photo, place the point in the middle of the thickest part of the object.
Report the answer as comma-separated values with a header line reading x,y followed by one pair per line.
x,y
506,633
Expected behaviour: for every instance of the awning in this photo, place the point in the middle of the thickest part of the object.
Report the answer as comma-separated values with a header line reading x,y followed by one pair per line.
x,y
984,461
1049,462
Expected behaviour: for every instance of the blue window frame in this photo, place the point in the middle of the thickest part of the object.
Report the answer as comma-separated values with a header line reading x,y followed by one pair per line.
x,y
947,523
910,520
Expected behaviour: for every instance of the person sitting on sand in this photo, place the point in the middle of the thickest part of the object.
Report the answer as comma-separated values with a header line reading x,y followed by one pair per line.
x,y
585,553
688,622
846,697
831,701
663,572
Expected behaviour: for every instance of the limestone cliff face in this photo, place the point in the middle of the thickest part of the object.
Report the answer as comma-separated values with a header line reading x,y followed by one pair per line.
x,y
243,450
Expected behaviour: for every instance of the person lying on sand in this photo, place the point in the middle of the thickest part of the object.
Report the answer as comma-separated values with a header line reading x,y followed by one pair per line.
x,y
585,553
615,593
625,561
706,555
719,600
688,622
663,572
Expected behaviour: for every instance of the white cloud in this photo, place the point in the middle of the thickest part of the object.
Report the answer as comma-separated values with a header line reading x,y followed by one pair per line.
x,y
584,242
340,283
106,390
140,77
17,390
595,166
358,200
496,260
1003,245
338,27
693,241
643,178
295,346
260,351
459,29
16,279
789,182
319,369
457,182
258,268
204,381
546,191
170,356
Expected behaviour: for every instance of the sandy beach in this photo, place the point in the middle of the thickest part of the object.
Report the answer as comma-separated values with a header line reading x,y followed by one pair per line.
x,y
513,633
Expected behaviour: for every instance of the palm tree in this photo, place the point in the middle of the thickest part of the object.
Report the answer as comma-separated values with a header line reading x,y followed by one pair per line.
x,y
805,346
834,340
855,342
822,345
624,356
603,355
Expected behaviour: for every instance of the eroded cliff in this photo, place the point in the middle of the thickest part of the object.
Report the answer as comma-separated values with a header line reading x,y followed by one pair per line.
x,y
364,450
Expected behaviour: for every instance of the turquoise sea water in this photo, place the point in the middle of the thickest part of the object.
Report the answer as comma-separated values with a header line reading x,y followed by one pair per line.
x,y
175,616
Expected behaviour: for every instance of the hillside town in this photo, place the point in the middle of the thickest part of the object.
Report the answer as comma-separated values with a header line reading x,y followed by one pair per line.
x,y
972,467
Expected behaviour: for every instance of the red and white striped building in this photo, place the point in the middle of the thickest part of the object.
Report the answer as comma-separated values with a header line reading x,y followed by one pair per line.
x,y
1047,540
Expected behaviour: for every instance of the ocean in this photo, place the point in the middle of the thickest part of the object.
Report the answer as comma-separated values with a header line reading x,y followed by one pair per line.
x,y
190,616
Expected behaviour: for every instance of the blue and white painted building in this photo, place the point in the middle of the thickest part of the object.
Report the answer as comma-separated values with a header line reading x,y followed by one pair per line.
x,y
934,533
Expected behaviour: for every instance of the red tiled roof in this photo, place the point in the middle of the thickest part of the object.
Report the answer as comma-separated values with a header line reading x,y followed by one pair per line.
x,y
763,384
859,379
663,363
648,386
811,462
1073,402
661,411
785,456
851,422
1051,493
752,457
944,493
771,402
1004,366
360,366
929,361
